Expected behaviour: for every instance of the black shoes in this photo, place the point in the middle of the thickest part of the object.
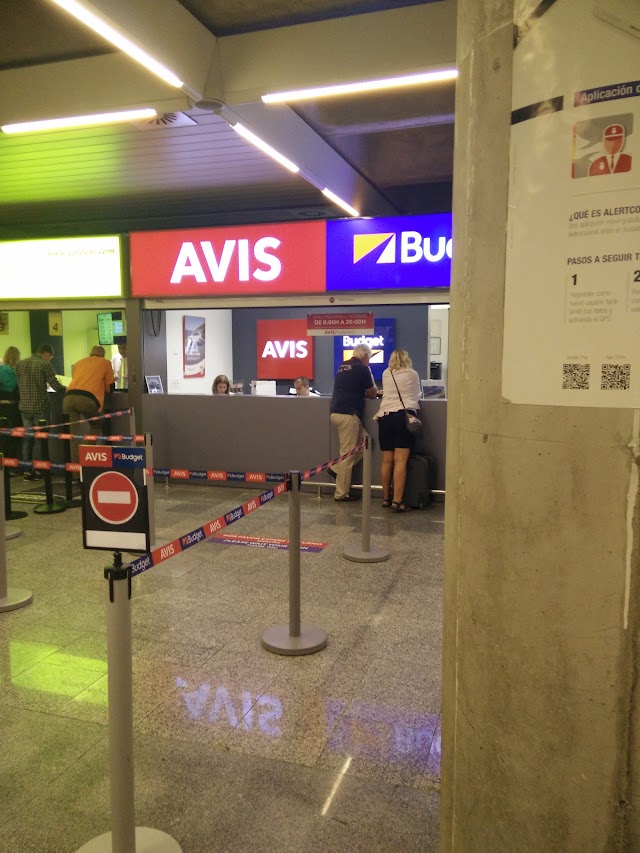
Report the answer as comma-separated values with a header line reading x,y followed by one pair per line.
x,y
331,473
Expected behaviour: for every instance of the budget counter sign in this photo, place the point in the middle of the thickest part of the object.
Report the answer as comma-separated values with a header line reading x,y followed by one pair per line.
x,y
401,252
382,343
115,513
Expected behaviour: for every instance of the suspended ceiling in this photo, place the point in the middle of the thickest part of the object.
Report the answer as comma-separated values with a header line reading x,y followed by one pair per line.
x,y
386,153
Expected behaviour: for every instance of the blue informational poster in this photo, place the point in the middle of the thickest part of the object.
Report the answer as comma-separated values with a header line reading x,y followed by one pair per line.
x,y
391,253
382,342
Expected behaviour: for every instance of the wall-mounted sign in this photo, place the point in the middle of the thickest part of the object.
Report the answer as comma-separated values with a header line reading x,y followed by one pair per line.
x,y
69,268
340,324
391,253
382,343
284,351
251,259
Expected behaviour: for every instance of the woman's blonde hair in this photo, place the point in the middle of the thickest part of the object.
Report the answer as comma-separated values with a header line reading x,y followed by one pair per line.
x,y
11,356
217,381
400,358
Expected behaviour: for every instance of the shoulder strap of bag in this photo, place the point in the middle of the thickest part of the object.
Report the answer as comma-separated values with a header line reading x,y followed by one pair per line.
x,y
397,389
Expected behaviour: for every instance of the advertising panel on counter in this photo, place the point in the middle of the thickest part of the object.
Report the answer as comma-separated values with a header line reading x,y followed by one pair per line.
x,y
572,287
284,351
397,253
64,268
240,261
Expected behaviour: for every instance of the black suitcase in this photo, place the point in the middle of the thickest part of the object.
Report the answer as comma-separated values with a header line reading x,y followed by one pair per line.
x,y
416,488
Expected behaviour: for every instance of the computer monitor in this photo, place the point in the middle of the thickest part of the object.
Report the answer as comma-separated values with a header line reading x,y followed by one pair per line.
x,y
110,326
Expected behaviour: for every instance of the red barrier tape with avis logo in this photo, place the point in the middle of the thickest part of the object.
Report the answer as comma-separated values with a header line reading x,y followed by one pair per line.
x,y
165,552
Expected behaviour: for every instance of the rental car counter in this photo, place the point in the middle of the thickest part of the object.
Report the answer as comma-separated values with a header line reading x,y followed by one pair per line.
x,y
268,434
251,302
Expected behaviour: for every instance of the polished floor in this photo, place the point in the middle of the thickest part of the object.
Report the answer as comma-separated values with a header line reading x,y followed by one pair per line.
x,y
237,749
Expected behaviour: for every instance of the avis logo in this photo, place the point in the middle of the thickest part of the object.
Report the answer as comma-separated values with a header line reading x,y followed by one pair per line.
x,y
201,262
96,456
285,349
413,247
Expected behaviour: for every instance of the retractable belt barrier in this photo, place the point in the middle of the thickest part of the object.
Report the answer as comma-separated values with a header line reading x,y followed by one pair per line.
x,y
21,431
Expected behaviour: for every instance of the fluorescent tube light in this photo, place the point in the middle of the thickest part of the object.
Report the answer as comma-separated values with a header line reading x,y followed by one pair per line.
x,y
118,40
77,121
264,146
363,86
343,204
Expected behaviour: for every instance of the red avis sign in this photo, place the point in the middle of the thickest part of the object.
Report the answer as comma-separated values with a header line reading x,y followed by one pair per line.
x,y
284,350
278,258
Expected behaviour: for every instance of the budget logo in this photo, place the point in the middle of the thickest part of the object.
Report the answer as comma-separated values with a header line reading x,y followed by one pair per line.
x,y
413,246
396,253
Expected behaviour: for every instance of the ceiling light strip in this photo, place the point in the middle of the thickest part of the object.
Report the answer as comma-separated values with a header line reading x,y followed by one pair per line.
x,y
362,86
78,121
264,146
118,40
340,202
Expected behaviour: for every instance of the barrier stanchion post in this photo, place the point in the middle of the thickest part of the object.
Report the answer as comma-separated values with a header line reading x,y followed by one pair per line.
x,y
366,554
11,598
70,501
148,455
124,837
9,513
294,638
49,506
132,422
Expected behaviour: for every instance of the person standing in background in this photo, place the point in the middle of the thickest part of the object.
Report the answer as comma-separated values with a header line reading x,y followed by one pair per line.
x,y
34,374
401,391
352,384
120,367
9,396
91,379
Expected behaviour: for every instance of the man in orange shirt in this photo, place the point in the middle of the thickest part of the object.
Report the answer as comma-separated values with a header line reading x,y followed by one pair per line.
x,y
91,378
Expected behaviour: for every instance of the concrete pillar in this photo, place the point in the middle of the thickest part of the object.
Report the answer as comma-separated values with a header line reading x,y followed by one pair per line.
x,y
540,689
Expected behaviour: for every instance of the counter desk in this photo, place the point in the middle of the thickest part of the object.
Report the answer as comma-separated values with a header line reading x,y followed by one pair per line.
x,y
267,434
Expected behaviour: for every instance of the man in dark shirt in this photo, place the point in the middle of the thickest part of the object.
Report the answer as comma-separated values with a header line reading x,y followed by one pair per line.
x,y
352,384
34,374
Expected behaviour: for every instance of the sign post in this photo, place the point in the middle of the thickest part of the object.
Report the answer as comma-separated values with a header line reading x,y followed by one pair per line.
x,y
115,517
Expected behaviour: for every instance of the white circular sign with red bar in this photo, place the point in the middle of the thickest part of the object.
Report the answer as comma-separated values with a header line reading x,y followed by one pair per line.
x,y
113,498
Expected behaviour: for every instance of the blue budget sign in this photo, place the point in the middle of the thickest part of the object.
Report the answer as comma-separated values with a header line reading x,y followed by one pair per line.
x,y
382,343
392,253
128,457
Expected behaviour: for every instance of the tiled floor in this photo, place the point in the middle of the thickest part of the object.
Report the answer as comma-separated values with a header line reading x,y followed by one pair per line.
x,y
237,749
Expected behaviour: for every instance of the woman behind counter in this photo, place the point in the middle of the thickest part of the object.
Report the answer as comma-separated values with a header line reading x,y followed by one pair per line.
x,y
398,380
9,397
221,384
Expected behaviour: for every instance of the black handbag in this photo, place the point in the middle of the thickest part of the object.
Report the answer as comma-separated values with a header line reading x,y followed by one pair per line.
x,y
413,422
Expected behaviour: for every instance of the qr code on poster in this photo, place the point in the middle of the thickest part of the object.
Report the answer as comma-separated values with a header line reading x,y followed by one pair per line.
x,y
615,377
575,377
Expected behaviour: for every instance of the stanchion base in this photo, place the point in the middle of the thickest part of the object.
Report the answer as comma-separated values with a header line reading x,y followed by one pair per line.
x,y
12,532
14,515
15,598
49,509
147,841
311,639
373,555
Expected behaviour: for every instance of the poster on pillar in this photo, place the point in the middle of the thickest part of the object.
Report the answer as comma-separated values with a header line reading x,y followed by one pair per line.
x,y
572,289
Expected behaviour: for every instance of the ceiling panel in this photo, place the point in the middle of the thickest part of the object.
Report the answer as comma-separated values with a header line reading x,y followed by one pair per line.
x,y
121,178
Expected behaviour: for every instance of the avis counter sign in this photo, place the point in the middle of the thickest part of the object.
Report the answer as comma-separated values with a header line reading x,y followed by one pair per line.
x,y
115,513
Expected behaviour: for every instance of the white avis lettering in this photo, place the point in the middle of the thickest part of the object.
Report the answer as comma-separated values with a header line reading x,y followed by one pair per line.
x,y
96,456
285,349
201,262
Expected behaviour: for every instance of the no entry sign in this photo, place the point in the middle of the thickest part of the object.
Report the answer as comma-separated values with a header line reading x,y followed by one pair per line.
x,y
115,513
113,497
